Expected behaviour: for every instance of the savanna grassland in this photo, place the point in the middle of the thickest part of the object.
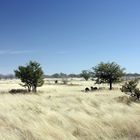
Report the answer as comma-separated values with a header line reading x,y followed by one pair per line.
x,y
64,112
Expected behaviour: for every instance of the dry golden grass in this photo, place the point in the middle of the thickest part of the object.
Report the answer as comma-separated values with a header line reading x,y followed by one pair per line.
x,y
63,112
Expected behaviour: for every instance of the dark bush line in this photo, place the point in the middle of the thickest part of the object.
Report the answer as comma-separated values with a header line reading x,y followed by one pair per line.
x,y
15,91
90,89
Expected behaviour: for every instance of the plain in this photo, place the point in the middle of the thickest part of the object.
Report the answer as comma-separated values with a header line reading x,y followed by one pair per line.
x,y
65,112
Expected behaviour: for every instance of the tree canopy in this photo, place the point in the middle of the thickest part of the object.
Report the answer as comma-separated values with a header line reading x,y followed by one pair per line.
x,y
108,73
85,74
31,75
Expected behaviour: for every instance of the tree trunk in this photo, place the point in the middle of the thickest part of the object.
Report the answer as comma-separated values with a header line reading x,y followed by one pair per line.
x,y
34,89
110,84
29,89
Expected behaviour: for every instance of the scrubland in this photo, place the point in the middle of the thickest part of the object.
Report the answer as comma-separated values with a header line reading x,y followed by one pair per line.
x,y
65,112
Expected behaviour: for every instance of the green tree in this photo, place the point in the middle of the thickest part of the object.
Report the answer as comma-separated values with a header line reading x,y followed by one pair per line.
x,y
108,73
131,87
31,75
85,74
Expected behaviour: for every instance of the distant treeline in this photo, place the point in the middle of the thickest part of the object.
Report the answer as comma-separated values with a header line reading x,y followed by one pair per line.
x,y
64,75
131,76
8,76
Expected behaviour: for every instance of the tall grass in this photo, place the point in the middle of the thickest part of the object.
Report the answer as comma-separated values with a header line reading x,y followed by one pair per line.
x,y
62,112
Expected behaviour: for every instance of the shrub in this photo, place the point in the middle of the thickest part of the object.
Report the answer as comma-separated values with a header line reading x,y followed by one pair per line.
x,y
87,89
130,88
65,81
93,88
15,91
56,81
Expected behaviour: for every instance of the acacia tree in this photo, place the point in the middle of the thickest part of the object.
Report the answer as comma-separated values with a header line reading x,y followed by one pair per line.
x,y
108,73
85,74
31,75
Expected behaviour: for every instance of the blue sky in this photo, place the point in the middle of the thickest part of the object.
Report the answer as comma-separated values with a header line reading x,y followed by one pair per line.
x,y
69,35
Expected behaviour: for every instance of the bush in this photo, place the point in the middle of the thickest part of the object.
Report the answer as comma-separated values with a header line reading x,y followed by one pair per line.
x,y
130,88
65,81
15,91
56,81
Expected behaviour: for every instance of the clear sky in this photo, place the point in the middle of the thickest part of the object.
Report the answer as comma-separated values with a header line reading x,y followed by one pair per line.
x,y
69,35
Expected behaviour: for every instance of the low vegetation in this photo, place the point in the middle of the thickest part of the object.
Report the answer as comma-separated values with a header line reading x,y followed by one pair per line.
x,y
131,88
62,112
